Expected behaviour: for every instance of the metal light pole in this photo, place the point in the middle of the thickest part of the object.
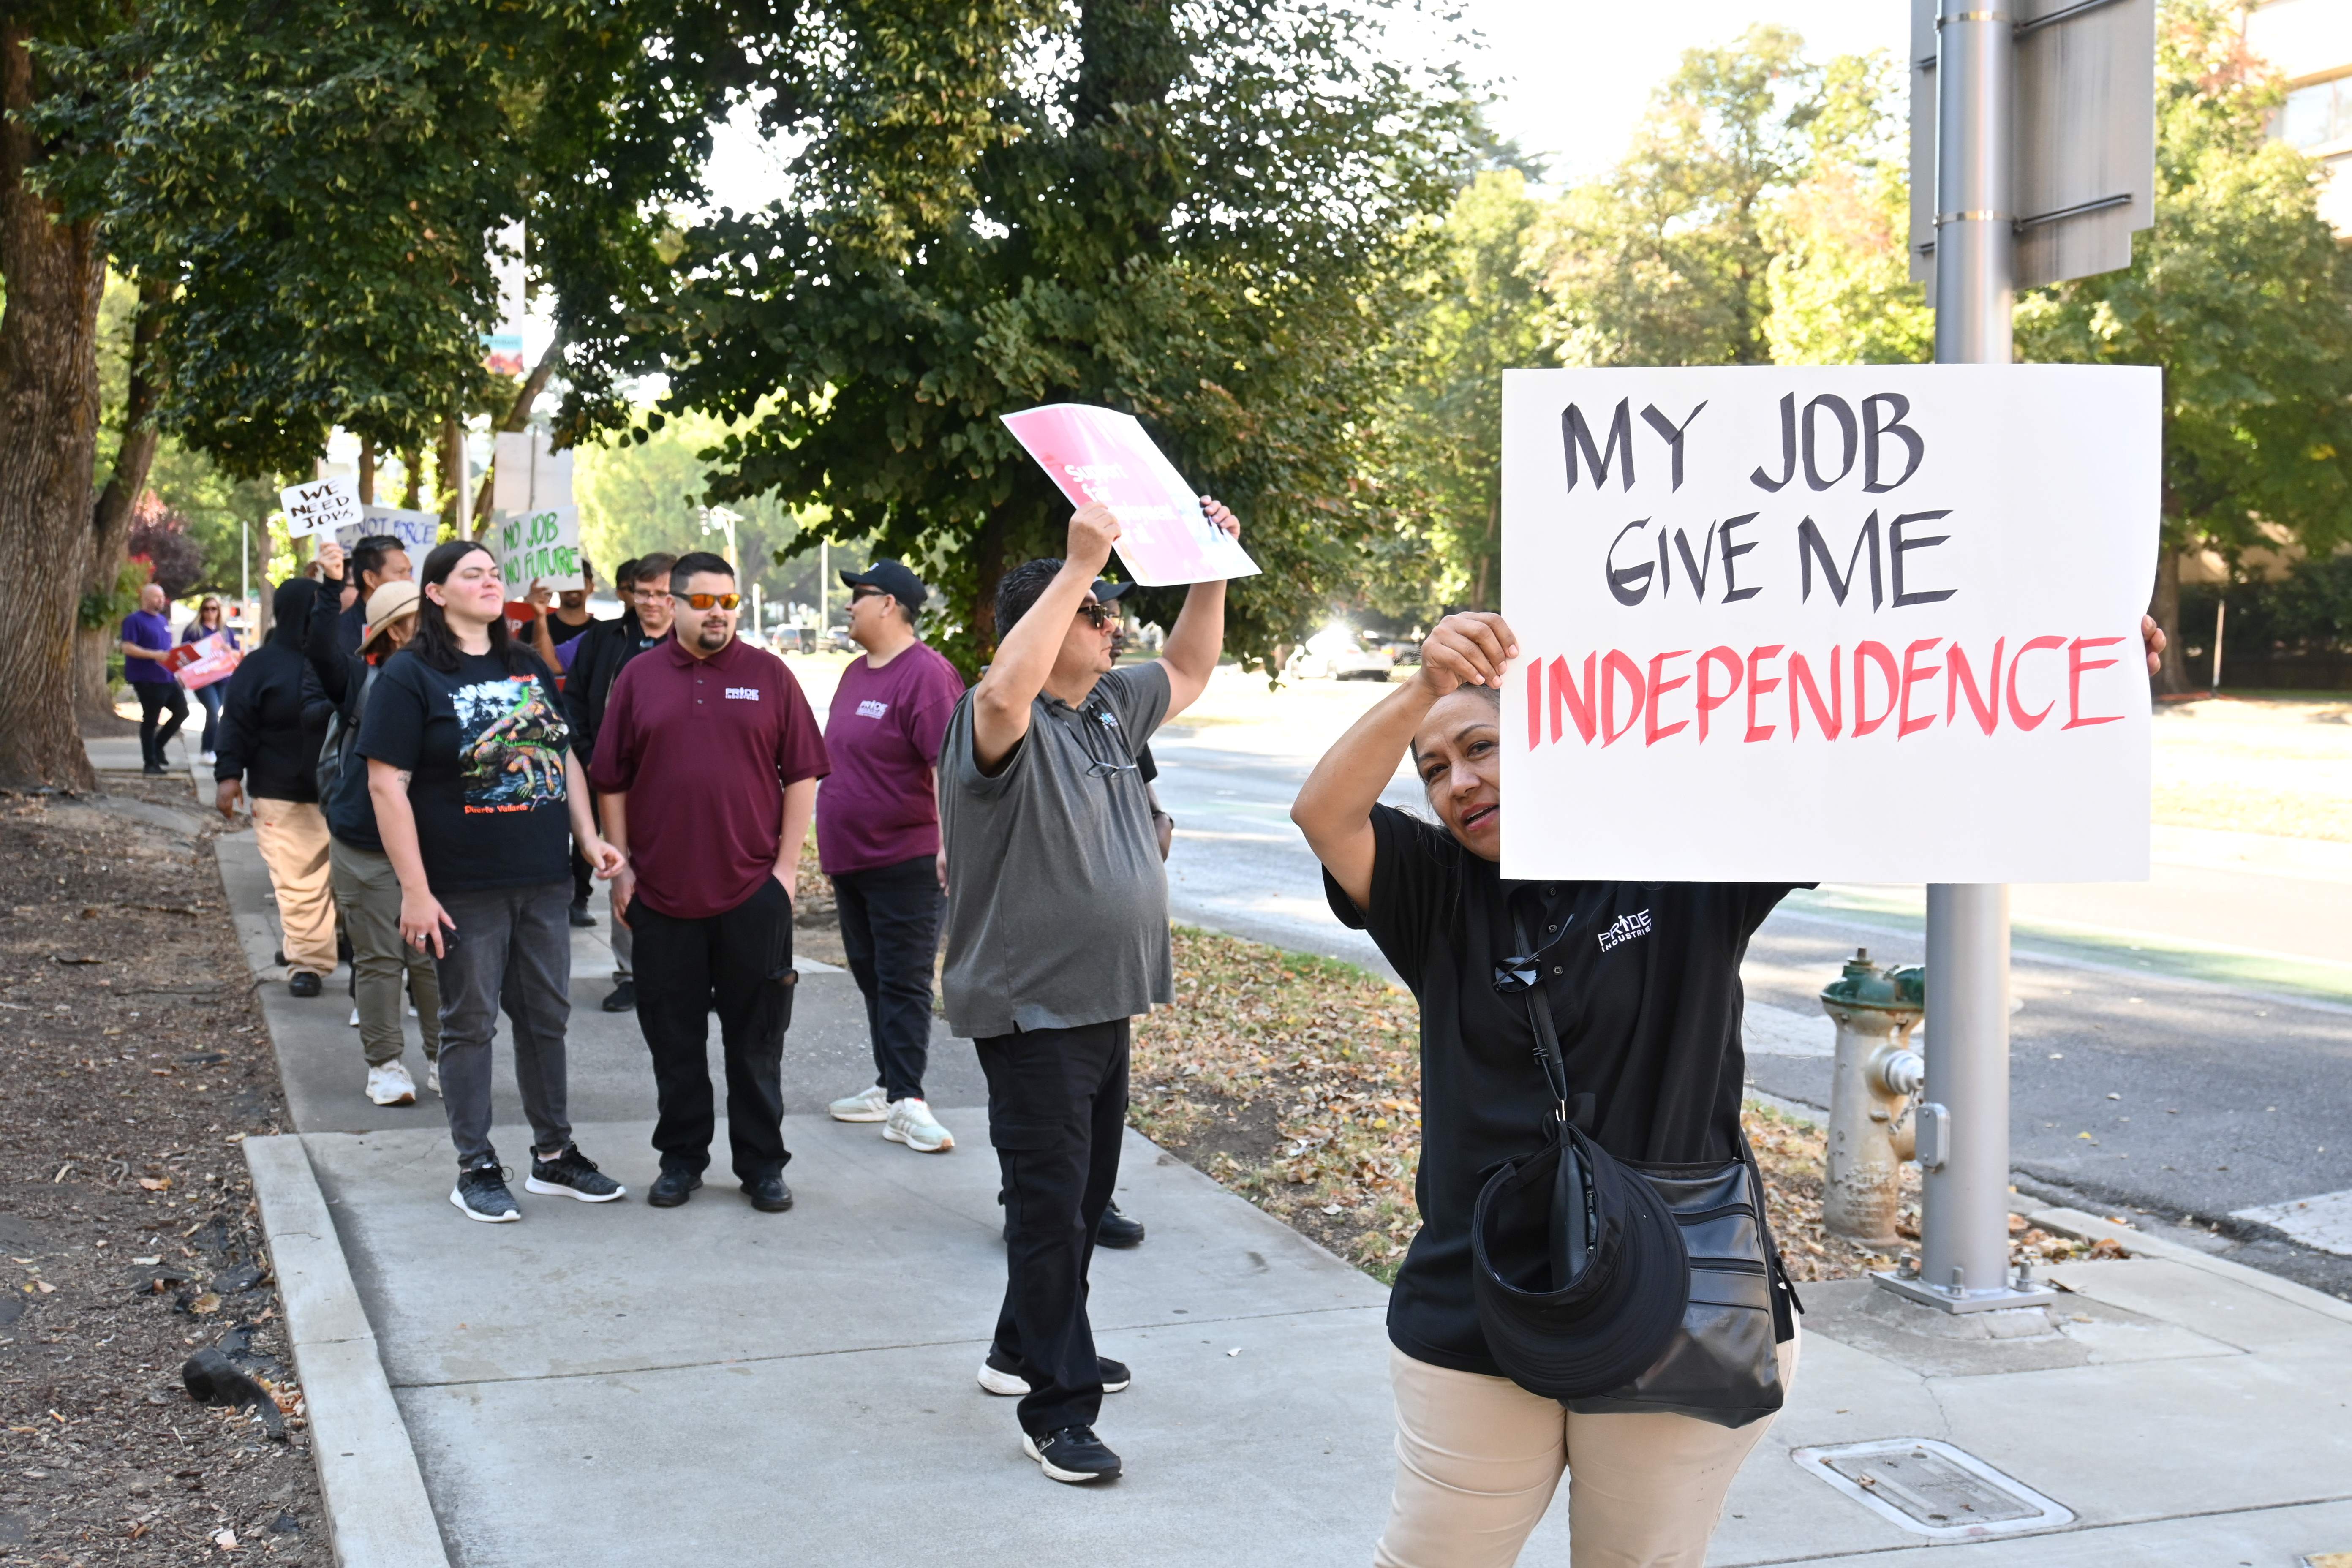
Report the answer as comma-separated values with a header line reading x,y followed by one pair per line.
x,y
1963,1121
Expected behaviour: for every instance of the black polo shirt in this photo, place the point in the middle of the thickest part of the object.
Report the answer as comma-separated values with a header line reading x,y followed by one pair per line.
x,y
1644,983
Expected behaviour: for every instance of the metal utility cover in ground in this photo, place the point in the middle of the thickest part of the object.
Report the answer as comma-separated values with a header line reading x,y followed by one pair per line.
x,y
2082,131
1932,1489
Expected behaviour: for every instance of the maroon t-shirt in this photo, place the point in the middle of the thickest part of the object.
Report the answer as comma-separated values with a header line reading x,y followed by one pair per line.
x,y
704,748
879,806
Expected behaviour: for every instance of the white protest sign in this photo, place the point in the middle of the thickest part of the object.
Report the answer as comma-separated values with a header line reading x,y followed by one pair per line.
x,y
323,506
1873,624
536,527
418,531
1099,454
543,546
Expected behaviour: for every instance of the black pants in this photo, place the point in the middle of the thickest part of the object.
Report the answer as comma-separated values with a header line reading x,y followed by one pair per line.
x,y
1056,1110
890,933
157,698
742,960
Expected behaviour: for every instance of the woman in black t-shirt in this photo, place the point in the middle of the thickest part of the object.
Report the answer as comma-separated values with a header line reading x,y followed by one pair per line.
x,y
478,800
1644,983
1643,979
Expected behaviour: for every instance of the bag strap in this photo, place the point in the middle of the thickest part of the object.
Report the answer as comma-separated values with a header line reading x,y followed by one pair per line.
x,y
1539,1018
1779,1270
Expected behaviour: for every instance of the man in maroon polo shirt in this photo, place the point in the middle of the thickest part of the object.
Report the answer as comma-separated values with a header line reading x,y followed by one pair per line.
x,y
706,771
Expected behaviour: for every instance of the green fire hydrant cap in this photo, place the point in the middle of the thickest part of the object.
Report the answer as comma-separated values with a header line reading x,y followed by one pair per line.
x,y
1865,984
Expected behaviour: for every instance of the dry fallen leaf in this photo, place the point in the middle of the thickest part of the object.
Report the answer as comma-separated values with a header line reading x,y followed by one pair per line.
x,y
155,1183
207,1302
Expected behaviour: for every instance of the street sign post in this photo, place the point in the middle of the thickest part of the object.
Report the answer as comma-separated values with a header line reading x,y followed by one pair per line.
x,y
2032,161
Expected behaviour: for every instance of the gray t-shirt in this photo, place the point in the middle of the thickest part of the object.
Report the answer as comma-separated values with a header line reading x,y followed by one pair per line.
x,y
1057,903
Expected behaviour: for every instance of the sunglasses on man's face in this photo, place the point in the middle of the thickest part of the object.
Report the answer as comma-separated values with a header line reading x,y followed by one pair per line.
x,y
1098,615
858,594
712,601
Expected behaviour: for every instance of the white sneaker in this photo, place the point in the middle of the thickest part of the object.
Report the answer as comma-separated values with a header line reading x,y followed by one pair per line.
x,y
208,759
433,1076
871,1103
391,1085
912,1123
355,1017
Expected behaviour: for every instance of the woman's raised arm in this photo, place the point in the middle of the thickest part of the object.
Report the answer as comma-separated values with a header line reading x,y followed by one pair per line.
x,y
1334,807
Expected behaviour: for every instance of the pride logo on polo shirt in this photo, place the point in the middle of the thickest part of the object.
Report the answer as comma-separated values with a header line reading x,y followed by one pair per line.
x,y
744,693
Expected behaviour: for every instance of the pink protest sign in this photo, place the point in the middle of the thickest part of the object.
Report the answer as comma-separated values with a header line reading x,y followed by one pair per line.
x,y
1095,454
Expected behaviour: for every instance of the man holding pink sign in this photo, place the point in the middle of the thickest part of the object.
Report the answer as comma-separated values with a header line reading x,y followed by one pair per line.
x,y
1057,936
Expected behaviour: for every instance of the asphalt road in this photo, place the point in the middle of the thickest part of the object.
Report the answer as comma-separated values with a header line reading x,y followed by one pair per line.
x,y
2156,1066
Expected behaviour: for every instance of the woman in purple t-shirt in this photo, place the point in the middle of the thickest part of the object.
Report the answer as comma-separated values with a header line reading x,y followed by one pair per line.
x,y
878,836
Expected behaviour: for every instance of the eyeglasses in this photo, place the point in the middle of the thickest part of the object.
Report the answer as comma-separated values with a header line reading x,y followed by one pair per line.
x,y
648,595
1098,766
1098,615
711,601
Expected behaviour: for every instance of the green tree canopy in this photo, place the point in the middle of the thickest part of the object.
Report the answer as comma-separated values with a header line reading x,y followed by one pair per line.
x,y
1185,212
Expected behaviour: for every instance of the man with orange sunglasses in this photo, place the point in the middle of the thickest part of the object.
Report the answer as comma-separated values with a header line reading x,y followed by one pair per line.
x,y
706,773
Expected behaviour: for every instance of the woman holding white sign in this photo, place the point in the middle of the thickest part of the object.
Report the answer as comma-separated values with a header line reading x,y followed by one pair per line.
x,y
1593,1290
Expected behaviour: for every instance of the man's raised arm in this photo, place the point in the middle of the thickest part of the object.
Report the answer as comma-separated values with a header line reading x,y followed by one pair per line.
x,y
1026,650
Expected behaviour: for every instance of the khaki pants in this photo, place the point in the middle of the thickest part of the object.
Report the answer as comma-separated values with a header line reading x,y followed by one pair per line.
x,y
293,839
1478,1458
367,894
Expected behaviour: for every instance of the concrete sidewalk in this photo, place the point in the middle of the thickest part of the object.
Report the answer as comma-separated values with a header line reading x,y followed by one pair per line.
x,y
622,1385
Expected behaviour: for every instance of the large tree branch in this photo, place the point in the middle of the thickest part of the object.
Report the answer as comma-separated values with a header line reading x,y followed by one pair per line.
x,y
517,417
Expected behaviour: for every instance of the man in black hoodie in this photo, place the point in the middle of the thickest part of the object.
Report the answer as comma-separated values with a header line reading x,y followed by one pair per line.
x,y
601,652
272,725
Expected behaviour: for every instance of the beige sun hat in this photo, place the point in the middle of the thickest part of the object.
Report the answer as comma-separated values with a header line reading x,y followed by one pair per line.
x,y
387,605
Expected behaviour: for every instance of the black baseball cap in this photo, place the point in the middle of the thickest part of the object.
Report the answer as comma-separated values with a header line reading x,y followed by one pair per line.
x,y
894,580
1106,591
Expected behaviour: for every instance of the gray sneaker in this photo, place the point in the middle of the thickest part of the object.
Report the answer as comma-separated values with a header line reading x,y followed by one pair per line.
x,y
481,1194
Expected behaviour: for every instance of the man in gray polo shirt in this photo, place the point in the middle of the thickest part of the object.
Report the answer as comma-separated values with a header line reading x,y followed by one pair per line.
x,y
1056,936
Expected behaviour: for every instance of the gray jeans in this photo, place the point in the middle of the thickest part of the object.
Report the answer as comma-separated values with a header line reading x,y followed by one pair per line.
x,y
367,892
511,949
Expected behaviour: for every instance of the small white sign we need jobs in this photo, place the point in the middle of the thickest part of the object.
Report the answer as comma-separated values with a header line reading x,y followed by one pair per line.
x,y
1872,623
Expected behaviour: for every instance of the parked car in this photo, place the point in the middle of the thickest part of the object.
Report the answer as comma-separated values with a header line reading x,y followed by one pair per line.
x,y
1338,654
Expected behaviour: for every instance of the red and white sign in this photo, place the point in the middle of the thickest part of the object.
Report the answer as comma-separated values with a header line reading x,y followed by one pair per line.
x,y
1095,454
1873,624
199,663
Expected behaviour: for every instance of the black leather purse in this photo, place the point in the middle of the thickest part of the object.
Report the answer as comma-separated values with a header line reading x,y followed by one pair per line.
x,y
1624,1319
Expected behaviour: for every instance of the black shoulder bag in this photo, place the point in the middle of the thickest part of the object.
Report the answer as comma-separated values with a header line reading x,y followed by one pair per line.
x,y
1617,1286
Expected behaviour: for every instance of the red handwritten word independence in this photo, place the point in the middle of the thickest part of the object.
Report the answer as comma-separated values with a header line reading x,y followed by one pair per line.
x,y
1845,696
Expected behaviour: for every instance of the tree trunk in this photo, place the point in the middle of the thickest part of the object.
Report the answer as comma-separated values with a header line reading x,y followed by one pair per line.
x,y
518,418
412,468
111,518
367,471
2173,679
56,274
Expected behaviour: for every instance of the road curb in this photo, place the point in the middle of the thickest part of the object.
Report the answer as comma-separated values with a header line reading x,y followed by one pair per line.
x,y
2090,1227
377,1512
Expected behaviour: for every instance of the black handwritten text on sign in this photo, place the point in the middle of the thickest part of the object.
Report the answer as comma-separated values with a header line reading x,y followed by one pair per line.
x,y
1857,622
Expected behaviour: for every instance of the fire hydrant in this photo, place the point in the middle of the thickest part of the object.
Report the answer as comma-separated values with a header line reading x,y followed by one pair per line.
x,y
1873,1085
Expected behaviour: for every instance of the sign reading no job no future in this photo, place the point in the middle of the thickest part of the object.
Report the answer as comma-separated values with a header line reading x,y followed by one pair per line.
x,y
1864,624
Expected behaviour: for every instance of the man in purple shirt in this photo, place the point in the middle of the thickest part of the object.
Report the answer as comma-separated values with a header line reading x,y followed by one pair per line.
x,y
146,641
705,771
878,836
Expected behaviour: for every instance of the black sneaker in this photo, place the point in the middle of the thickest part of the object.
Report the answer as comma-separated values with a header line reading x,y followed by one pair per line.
x,y
154,770
481,1194
581,917
1119,1231
623,998
572,1174
302,983
672,1188
999,1375
1072,1454
769,1195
